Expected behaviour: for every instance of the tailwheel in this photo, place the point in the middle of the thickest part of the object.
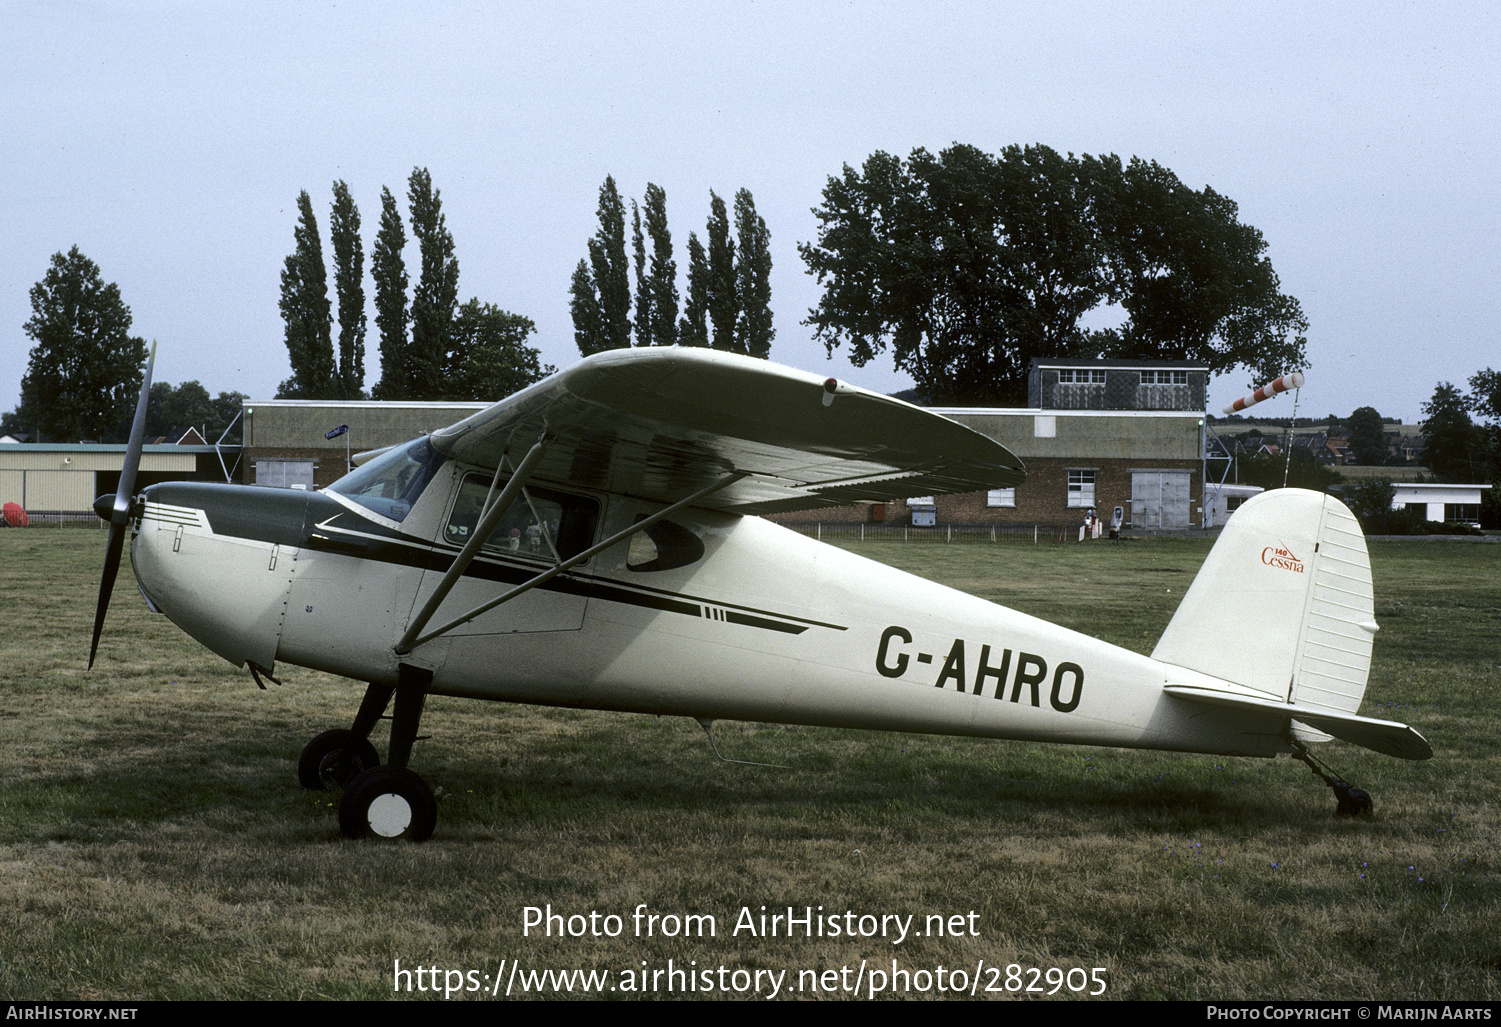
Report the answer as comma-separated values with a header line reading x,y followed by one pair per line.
x,y
334,759
1353,802
1350,801
388,802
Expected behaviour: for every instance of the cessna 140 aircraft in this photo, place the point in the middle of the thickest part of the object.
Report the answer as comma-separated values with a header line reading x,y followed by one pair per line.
x,y
592,542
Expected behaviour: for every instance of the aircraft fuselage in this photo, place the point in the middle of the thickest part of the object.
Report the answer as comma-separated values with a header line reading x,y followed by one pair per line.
x,y
715,616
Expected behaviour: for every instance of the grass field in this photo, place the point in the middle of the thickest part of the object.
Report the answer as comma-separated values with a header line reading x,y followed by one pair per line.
x,y
154,843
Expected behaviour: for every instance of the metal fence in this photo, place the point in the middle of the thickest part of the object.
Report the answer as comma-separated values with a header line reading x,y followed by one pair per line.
x,y
71,519
834,531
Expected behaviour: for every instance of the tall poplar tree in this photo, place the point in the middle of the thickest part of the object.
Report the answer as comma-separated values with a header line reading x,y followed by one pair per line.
x,y
305,312
601,289
693,328
723,305
435,298
388,267
583,304
643,322
349,286
662,282
753,327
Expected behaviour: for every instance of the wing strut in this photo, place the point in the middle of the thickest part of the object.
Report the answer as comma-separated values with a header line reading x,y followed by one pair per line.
x,y
476,539
408,643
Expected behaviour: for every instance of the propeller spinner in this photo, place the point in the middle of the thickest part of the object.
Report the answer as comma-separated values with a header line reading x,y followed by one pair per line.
x,y
116,508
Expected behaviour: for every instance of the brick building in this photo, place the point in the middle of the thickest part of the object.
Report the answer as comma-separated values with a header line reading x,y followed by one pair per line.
x,y
1095,433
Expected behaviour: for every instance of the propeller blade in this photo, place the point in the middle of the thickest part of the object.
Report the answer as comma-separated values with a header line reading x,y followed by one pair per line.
x,y
119,509
107,582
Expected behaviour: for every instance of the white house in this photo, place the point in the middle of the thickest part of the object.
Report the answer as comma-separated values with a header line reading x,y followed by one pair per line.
x,y
1439,502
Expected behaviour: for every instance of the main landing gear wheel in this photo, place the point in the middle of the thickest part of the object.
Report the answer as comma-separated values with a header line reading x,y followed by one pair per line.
x,y
334,759
388,802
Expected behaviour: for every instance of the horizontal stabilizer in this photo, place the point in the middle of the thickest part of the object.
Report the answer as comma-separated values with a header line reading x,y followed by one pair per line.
x,y
1384,736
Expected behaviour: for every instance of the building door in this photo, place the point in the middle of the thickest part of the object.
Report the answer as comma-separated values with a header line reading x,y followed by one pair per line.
x,y
1160,499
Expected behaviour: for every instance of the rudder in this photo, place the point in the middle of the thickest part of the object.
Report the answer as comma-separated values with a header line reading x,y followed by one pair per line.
x,y
1283,604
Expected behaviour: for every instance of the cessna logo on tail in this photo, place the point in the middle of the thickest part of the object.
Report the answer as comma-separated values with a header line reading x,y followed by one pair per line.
x,y
1280,556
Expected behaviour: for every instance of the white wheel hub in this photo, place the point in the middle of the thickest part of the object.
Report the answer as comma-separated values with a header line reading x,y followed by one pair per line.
x,y
389,815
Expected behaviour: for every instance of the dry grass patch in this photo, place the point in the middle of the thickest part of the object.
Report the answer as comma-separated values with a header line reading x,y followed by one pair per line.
x,y
154,843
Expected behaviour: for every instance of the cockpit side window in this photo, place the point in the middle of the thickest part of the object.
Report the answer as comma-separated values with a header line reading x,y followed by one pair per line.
x,y
391,483
568,521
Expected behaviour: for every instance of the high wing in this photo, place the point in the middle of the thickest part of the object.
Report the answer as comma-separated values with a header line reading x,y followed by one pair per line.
x,y
661,424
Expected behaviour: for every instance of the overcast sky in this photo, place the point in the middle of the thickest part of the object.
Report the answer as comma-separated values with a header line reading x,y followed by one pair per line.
x,y
169,142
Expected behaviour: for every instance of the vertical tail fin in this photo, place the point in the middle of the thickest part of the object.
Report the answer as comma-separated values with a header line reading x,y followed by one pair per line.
x,y
1282,605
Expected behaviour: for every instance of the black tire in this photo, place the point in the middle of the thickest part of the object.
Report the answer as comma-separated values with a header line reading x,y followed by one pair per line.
x,y
388,802
334,759
1353,802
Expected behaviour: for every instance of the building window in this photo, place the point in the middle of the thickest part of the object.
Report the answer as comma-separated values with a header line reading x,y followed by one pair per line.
x,y
1468,513
1000,497
1081,376
1164,377
1080,487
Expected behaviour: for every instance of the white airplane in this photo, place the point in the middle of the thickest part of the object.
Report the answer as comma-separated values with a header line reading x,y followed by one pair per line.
x,y
591,542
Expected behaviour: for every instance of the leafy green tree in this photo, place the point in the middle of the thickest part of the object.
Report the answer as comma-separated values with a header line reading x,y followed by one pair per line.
x,y
967,266
226,422
86,368
1370,500
1368,441
388,267
1453,447
1193,278
305,312
1485,394
490,359
724,306
188,405
11,423
601,291
693,328
435,297
349,286
1273,471
183,406
753,326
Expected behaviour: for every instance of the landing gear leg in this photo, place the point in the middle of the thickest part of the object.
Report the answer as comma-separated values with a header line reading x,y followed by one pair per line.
x,y
1352,801
392,801
335,758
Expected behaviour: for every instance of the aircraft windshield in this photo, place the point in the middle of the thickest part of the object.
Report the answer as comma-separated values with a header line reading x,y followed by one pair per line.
x,y
391,483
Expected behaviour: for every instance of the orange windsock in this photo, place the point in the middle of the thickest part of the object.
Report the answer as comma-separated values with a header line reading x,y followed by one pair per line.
x,y
1283,384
